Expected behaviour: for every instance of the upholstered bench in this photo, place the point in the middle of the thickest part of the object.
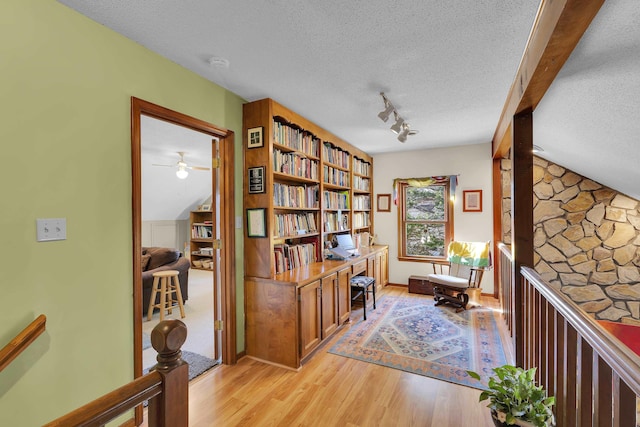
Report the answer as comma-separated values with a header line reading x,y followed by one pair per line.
x,y
360,286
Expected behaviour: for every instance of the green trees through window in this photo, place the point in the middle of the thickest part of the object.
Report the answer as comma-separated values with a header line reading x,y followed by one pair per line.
x,y
425,224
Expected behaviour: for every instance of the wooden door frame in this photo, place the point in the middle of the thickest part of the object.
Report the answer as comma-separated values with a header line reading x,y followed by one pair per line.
x,y
227,226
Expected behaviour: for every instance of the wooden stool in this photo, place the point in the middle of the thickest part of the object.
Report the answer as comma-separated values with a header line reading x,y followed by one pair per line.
x,y
170,293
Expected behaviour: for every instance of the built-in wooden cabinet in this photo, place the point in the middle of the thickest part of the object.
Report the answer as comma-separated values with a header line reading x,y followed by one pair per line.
x,y
302,186
289,316
201,242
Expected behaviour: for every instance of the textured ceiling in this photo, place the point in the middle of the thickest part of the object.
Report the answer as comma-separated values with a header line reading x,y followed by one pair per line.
x,y
447,67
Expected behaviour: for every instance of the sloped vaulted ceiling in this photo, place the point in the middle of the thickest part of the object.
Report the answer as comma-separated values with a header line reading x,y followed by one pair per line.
x,y
447,67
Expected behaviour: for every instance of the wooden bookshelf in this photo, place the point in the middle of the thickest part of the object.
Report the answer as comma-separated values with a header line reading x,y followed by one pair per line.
x,y
201,242
315,186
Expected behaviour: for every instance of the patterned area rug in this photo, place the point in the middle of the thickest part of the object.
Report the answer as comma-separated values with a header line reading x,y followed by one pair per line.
x,y
412,335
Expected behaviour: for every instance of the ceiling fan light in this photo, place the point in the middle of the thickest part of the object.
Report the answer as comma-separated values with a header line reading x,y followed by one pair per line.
x,y
182,173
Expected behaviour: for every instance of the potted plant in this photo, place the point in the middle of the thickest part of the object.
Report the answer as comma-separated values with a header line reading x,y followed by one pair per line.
x,y
515,399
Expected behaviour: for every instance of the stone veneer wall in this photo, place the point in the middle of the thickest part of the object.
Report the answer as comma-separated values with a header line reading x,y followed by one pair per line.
x,y
586,239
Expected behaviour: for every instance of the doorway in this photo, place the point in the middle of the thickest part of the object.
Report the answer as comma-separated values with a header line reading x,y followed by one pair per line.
x,y
177,200
222,266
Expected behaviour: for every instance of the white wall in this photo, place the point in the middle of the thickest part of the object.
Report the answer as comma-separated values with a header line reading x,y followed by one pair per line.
x,y
472,163
167,234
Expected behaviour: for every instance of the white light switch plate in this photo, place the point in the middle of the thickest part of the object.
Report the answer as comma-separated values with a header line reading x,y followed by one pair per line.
x,y
238,222
49,229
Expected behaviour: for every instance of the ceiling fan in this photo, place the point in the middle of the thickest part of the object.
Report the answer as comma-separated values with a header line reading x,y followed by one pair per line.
x,y
182,166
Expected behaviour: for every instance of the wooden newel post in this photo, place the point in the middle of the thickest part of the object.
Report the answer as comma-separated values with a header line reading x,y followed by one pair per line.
x,y
171,408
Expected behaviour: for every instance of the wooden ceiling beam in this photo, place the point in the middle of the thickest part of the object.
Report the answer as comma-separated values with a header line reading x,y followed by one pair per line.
x,y
557,29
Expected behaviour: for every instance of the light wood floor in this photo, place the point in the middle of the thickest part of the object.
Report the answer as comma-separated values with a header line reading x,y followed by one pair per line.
x,y
332,390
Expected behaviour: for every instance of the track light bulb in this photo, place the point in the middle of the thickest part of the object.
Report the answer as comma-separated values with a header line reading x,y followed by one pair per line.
x,y
397,126
384,115
402,137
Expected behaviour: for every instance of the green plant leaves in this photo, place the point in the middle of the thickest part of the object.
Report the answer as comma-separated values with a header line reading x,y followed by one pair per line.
x,y
515,393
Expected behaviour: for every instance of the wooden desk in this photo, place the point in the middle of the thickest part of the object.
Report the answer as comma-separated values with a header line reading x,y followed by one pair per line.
x,y
290,315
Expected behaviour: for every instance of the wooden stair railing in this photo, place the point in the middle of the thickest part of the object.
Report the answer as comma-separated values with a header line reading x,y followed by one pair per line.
x,y
22,341
594,377
166,387
505,275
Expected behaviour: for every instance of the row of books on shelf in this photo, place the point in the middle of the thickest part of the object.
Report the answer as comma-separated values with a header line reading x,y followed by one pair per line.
x,y
295,196
295,164
361,219
360,183
296,139
335,155
288,257
335,221
335,199
360,167
201,232
361,202
335,176
293,224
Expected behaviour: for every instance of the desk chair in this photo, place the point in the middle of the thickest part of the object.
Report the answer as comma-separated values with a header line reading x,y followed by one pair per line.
x,y
361,286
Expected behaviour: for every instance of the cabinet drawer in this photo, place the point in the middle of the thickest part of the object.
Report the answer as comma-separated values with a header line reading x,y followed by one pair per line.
x,y
420,285
359,267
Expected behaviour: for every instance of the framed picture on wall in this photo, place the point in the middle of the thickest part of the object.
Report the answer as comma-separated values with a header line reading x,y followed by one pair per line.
x,y
472,200
254,137
256,180
384,203
256,223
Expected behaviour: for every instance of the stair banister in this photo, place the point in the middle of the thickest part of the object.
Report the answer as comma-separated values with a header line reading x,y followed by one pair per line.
x,y
17,345
166,387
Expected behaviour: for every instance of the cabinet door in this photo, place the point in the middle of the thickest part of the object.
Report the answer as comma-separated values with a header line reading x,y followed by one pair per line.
x,y
385,267
344,295
377,272
309,317
329,304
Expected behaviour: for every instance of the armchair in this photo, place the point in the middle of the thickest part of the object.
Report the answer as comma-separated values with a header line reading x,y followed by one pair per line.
x,y
453,279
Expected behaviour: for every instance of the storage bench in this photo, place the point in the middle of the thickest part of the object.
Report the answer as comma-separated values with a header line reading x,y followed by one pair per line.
x,y
420,285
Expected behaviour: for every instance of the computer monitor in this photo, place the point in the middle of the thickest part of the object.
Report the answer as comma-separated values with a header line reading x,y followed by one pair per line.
x,y
345,242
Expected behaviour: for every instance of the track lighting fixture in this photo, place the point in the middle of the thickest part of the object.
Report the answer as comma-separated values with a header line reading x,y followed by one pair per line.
x,y
406,131
402,136
397,126
400,127
388,109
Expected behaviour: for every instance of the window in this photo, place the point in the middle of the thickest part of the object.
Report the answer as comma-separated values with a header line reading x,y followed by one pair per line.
x,y
425,221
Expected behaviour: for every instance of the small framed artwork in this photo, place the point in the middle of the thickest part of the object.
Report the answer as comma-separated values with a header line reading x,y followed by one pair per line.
x,y
472,200
256,180
254,137
256,223
205,208
384,202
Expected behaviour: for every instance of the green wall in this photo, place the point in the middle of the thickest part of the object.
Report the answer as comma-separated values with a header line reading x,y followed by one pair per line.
x,y
65,89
